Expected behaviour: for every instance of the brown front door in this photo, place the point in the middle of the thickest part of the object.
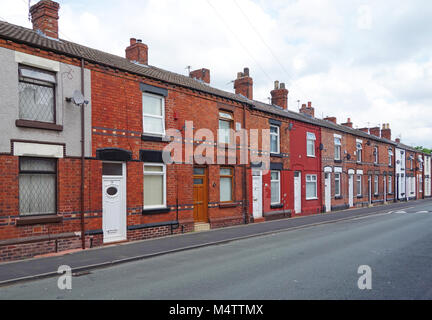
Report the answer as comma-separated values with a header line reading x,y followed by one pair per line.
x,y
200,194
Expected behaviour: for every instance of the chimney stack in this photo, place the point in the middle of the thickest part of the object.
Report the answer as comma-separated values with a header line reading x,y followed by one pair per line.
x,y
364,130
244,84
348,123
201,74
307,110
398,140
386,131
279,95
44,16
331,119
137,51
375,131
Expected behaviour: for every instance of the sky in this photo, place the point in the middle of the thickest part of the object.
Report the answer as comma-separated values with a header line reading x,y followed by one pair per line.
x,y
370,61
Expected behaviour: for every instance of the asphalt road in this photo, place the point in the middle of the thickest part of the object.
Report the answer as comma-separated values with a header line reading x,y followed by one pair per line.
x,y
318,262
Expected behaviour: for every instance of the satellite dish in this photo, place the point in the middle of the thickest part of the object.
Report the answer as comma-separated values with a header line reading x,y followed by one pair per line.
x,y
78,98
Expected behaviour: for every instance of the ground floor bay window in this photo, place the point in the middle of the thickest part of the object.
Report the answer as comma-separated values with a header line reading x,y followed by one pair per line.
x,y
37,186
154,185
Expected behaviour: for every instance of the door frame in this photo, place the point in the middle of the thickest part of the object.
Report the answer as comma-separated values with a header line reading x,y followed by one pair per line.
x,y
123,178
206,191
298,190
260,193
351,188
327,191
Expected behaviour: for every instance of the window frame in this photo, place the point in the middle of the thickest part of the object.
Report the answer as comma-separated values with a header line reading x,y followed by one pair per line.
x,y
337,177
279,184
277,136
54,172
338,148
312,140
376,185
230,120
316,186
231,176
162,117
359,152
390,155
155,173
390,184
359,182
376,155
42,83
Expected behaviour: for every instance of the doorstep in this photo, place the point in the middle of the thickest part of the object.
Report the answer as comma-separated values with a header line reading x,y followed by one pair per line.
x,y
201,226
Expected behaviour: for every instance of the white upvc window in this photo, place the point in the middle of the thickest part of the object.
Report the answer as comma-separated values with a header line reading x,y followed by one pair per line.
x,y
375,155
153,114
359,149
275,186
337,148
376,185
274,139
420,161
420,183
226,121
390,153
359,185
311,186
154,185
390,184
337,177
310,144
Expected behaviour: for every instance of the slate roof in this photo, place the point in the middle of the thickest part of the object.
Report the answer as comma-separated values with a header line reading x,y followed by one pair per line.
x,y
30,37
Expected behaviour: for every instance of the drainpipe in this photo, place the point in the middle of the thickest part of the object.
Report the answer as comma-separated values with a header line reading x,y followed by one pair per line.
x,y
245,193
82,158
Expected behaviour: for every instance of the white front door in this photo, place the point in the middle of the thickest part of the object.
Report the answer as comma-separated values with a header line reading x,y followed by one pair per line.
x,y
257,194
370,189
327,190
297,191
351,190
385,189
114,202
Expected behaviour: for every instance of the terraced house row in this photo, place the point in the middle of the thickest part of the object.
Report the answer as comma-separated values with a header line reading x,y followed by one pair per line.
x,y
84,140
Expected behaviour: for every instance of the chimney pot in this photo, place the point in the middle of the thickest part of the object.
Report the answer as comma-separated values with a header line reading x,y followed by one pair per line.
x,y
282,86
244,84
137,51
276,85
201,74
44,16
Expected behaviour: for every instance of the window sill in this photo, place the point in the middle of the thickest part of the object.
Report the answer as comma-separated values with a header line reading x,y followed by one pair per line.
x,y
309,156
338,197
337,161
311,199
154,137
359,197
38,125
276,206
155,210
30,220
277,155
227,205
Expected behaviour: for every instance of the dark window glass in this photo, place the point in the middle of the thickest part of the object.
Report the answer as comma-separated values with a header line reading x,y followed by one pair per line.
x,y
112,169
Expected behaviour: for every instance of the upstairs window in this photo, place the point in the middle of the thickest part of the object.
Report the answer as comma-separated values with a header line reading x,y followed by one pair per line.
x,y
36,94
37,186
375,152
337,148
225,125
153,114
390,153
359,150
310,144
274,139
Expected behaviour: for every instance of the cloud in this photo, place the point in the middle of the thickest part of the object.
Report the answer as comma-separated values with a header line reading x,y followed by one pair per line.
x,y
367,60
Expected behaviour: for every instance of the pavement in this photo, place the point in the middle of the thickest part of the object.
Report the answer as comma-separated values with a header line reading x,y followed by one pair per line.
x,y
90,259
